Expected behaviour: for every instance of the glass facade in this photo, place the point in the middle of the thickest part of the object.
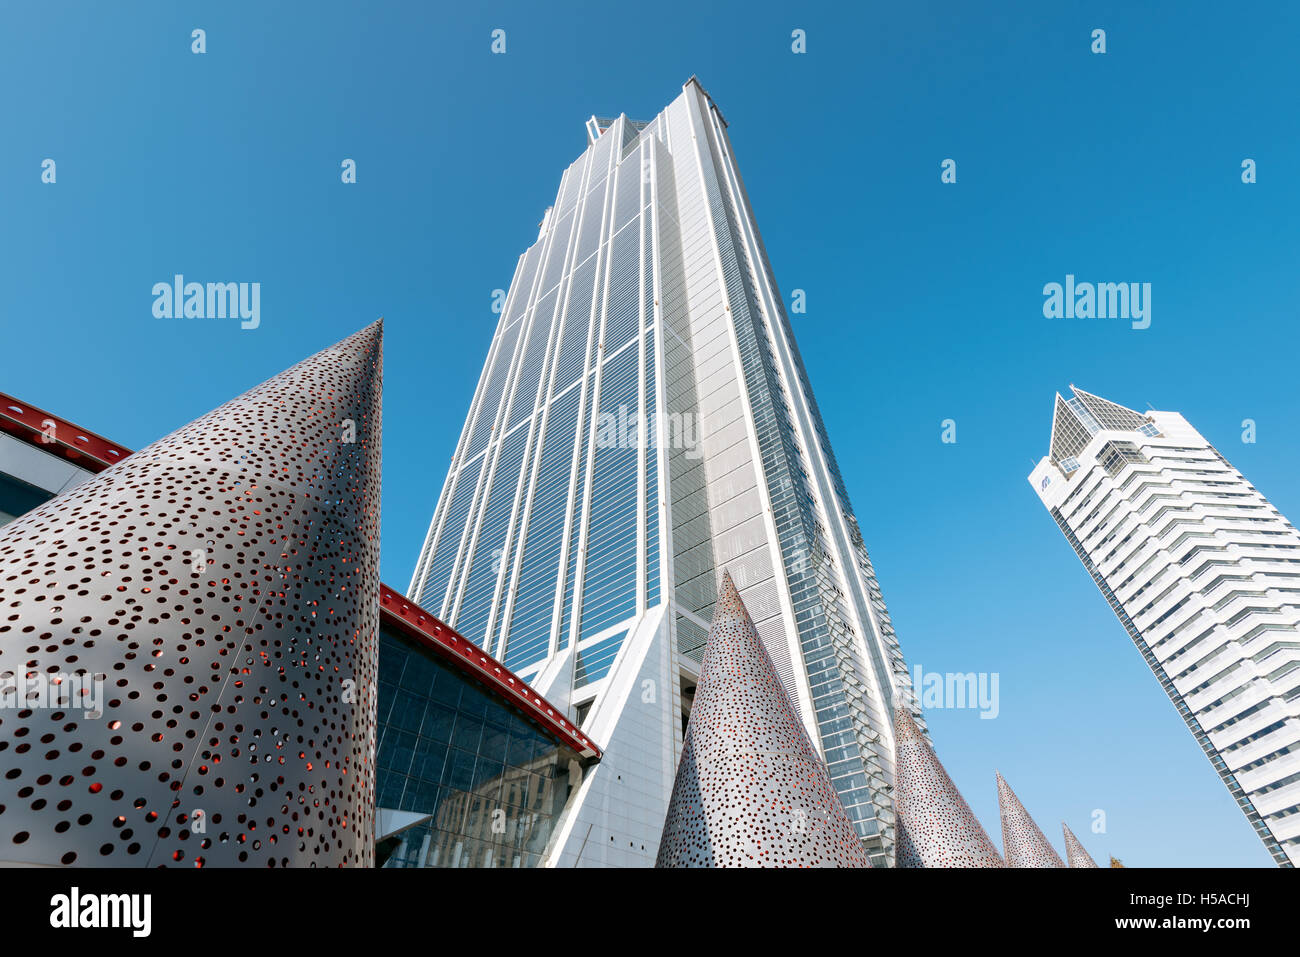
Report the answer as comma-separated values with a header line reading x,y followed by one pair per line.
x,y
17,497
547,503
492,781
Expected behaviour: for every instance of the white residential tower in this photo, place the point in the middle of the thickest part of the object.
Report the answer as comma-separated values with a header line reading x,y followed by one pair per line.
x,y
1204,574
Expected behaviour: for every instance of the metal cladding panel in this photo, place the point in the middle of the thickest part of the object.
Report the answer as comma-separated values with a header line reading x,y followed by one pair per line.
x,y
936,827
750,791
1022,841
1075,853
224,582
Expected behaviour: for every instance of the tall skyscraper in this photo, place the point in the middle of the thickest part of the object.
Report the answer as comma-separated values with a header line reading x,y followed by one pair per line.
x,y
1204,574
643,422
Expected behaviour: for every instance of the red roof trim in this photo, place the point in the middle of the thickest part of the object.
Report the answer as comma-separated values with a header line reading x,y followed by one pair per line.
x,y
471,660
85,448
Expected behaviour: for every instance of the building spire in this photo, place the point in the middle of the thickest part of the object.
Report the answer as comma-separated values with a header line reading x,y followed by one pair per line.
x,y
225,580
935,825
1077,419
750,791
1022,842
1075,853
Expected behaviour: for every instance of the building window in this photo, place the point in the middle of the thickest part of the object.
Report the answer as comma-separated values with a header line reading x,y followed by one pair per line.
x,y
1114,456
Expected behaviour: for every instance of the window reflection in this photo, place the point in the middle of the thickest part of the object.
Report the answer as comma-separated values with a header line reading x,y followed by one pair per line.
x,y
494,783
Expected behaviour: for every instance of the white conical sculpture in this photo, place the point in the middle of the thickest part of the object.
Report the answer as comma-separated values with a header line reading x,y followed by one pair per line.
x,y
213,600
751,791
936,827
1075,854
1022,842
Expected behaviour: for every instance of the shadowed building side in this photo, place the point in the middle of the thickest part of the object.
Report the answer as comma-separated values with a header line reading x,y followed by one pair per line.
x,y
750,791
1023,842
1075,853
935,825
197,625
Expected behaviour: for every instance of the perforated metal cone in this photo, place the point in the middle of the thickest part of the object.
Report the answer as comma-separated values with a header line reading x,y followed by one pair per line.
x,y
936,827
1022,841
1075,854
750,791
224,583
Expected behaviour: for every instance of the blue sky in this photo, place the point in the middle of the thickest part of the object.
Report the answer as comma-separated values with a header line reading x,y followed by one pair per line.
x,y
924,299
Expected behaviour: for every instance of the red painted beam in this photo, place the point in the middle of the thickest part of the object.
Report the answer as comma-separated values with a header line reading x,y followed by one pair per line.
x,y
422,627
58,436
